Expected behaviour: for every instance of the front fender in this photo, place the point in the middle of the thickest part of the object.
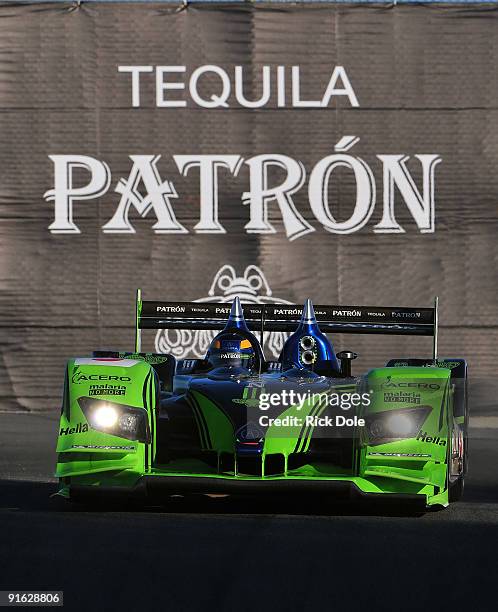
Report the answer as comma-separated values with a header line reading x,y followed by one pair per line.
x,y
422,397
82,449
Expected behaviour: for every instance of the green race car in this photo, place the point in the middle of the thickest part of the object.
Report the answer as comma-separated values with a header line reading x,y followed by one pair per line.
x,y
140,425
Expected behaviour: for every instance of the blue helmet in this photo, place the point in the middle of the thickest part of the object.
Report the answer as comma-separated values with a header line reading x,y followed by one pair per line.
x,y
230,349
235,347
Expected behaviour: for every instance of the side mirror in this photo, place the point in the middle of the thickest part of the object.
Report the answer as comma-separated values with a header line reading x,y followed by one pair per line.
x,y
346,358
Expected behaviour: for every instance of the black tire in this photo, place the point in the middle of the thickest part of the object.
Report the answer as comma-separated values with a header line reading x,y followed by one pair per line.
x,y
456,488
461,408
455,492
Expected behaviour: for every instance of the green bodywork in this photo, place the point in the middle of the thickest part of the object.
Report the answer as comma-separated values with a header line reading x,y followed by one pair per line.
x,y
89,458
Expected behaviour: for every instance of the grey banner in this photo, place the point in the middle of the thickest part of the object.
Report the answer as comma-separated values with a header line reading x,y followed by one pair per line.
x,y
424,81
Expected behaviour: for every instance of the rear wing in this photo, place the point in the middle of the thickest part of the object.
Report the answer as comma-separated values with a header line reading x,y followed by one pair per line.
x,y
286,317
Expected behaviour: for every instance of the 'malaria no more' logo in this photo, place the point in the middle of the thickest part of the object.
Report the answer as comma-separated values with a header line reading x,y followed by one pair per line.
x,y
252,288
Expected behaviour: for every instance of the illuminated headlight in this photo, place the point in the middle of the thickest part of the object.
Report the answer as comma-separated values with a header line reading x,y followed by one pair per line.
x,y
391,425
105,417
116,419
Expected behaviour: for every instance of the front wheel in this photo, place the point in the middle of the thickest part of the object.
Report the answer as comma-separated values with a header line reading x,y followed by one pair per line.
x,y
457,464
456,489
458,458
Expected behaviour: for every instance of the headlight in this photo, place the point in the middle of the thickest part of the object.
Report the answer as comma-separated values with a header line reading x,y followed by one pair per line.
x,y
128,422
399,424
116,419
105,417
391,425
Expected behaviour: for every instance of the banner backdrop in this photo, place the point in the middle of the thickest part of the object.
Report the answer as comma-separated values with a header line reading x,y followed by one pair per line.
x,y
340,152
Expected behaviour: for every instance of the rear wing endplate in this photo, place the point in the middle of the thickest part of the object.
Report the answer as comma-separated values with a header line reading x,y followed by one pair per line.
x,y
286,317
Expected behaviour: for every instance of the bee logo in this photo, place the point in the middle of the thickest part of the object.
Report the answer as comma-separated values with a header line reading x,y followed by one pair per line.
x,y
252,288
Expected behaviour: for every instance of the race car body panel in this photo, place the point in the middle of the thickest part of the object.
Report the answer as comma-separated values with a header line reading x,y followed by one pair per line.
x,y
85,448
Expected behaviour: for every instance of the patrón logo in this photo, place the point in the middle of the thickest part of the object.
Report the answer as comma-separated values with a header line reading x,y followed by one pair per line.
x,y
252,288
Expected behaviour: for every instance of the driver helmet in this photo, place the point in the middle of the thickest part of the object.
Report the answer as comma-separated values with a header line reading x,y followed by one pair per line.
x,y
235,347
230,349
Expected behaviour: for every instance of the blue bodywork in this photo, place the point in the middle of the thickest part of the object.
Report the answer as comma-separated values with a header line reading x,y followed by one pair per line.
x,y
308,347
